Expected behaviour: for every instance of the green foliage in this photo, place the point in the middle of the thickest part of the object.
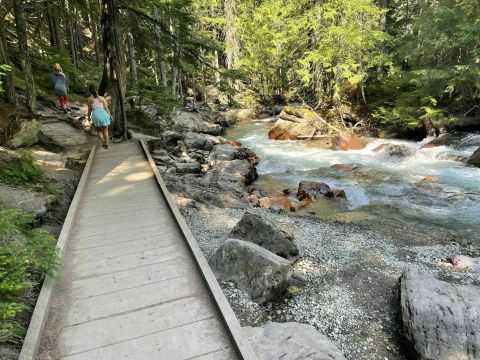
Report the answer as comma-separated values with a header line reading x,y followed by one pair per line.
x,y
324,50
437,76
23,171
26,256
26,172
4,69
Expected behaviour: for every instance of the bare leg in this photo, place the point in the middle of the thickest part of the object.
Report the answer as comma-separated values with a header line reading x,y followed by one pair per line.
x,y
105,135
99,133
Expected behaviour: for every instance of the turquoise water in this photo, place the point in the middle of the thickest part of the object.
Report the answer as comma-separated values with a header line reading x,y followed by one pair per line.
x,y
383,185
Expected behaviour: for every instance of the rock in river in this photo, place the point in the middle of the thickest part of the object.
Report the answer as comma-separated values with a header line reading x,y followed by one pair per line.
x,y
440,320
265,233
255,270
291,341
475,158
311,189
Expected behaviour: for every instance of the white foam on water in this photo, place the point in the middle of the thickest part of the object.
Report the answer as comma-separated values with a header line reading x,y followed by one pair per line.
x,y
453,200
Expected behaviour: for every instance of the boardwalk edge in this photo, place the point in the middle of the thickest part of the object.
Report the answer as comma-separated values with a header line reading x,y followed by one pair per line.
x,y
40,314
239,340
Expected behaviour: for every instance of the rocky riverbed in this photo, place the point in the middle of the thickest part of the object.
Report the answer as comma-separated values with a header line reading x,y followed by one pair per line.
x,y
351,292
348,267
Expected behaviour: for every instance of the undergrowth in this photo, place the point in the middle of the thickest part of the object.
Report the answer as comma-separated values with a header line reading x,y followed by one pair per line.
x,y
27,254
26,172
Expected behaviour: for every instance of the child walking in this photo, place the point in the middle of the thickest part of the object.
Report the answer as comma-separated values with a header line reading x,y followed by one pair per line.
x,y
100,115
60,86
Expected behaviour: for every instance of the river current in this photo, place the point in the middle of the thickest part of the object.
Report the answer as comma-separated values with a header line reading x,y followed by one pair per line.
x,y
423,187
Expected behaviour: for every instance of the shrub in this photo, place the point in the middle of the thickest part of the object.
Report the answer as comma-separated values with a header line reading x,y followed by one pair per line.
x,y
26,256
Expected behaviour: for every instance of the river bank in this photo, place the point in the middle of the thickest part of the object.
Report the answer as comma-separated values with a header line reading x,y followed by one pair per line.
x,y
350,254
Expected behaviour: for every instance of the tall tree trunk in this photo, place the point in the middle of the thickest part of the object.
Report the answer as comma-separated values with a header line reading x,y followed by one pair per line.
x,y
216,66
21,26
70,32
232,47
51,28
93,28
9,90
114,68
78,28
131,60
160,52
174,80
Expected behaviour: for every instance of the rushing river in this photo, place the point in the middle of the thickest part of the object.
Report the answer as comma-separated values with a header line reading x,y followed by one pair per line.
x,y
384,185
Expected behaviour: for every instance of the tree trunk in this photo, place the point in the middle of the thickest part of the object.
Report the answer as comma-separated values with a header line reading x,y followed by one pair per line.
x,y
114,68
160,52
70,33
232,47
21,27
93,28
9,90
131,60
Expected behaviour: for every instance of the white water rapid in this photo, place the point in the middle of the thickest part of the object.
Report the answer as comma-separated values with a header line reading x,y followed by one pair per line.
x,y
387,185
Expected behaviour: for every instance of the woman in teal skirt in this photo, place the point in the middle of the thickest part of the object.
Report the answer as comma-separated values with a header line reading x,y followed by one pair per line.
x,y
99,113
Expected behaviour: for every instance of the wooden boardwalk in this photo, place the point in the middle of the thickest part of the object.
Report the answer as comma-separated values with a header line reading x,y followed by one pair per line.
x,y
132,286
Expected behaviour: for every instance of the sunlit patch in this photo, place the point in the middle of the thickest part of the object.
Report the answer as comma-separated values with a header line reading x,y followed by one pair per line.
x,y
141,175
306,266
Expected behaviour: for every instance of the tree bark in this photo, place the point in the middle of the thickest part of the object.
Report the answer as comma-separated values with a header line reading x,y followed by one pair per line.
x,y
232,47
70,33
160,52
132,61
9,90
114,68
21,27
93,28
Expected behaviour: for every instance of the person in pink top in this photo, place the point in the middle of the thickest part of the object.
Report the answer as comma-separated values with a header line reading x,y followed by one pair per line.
x,y
100,115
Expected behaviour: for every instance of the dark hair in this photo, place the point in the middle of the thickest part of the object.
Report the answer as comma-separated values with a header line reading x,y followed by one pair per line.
x,y
93,90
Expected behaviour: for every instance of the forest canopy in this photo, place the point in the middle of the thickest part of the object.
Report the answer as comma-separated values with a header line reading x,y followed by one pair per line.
x,y
400,62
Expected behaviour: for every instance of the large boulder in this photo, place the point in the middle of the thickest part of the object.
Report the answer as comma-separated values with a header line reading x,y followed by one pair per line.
x,y
255,270
231,152
291,341
60,135
440,320
346,141
475,158
296,123
240,170
18,131
265,233
196,122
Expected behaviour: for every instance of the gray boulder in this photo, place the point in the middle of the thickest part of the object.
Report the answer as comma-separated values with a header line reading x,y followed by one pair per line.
x,y
440,320
198,141
475,158
291,341
266,234
227,152
188,168
196,122
60,135
255,270
241,171
21,132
